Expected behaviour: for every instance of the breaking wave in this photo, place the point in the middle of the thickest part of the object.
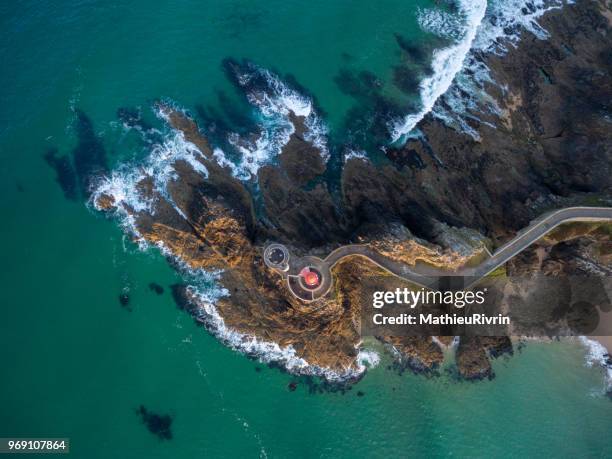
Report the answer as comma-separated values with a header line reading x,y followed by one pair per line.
x,y
597,355
368,358
446,63
122,184
124,187
455,93
357,154
276,103
268,351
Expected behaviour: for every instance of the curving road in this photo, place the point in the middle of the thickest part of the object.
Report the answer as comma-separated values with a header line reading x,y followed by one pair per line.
x,y
429,277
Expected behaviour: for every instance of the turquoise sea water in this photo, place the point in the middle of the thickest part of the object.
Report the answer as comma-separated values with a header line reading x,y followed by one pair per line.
x,y
77,364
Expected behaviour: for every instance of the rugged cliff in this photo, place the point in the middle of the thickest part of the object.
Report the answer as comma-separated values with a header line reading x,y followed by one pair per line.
x,y
438,199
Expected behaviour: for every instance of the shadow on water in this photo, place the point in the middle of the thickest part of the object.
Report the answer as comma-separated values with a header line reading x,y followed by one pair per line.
x,y
156,288
89,155
158,424
132,118
65,174
230,115
76,172
366,124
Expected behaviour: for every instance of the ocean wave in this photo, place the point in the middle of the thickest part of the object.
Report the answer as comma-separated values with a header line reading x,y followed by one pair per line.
x,y
121,187
507,19
357,154
268,351
446,63
467,99
276,102
122,184
440,23
597,355
455,93
368,359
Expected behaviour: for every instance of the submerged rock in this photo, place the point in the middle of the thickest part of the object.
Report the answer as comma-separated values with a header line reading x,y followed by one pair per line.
x,y
156,288
158,424
124,300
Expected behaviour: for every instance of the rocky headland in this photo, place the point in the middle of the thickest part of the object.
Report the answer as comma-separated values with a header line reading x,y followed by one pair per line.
x,y
439,199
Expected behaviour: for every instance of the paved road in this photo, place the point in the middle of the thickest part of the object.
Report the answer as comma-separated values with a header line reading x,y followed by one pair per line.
x,y
429,277
535,231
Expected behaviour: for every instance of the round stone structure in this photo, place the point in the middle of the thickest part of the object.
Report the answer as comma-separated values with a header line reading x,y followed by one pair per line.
x,y
276,256
308,278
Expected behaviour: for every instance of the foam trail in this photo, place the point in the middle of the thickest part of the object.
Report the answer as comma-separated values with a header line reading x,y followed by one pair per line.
x,y
598,355
267,351
350,154
446,63
456,93
507,19
122,184
276,103
368,358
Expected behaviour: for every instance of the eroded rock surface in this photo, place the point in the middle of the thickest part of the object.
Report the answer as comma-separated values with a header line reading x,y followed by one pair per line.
x,y
439,200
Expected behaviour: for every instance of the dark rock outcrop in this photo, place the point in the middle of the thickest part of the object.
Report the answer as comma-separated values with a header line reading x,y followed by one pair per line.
x,y
552,145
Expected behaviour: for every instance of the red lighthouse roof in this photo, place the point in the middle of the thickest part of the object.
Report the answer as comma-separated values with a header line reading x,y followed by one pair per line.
x,y
311,277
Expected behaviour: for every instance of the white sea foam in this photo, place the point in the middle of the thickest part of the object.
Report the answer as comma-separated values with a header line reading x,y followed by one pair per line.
x,y
222,160
281,98
507,19
161,162
357,154
597,356
440,23
122,184
256,153
455,93
367,359
446,63
267,351
275,103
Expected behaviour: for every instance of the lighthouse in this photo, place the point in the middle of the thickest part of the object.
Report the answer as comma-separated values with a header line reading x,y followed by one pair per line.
x,y
310,278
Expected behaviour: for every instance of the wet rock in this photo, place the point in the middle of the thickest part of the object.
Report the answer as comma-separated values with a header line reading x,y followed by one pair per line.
x,y
418,354
497,346
472,361
551,145
124,300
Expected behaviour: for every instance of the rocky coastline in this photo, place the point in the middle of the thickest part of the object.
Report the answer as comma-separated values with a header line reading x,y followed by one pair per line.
x,y
438,199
